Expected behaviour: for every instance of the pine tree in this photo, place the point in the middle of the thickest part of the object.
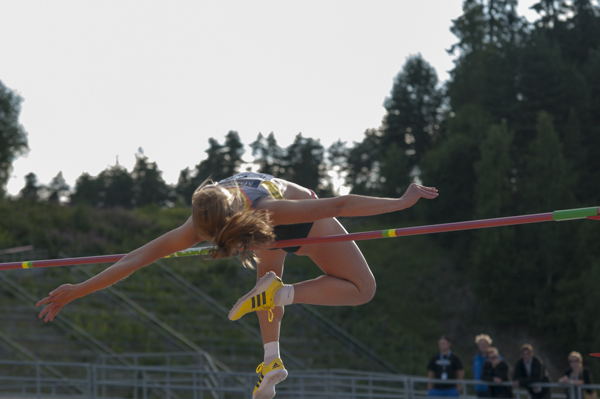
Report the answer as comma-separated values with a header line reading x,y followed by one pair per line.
x,y
304,165
413,117
337,155
364,160
31,189
232,154
87,191
223,160
148,184
492,260
590,137
486,72
450,165
13,138
544,185
395,176
184,188
268,154
58,188
116,187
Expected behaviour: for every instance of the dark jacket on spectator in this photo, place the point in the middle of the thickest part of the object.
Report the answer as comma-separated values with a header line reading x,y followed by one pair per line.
x,y
538,374
584,375
501,370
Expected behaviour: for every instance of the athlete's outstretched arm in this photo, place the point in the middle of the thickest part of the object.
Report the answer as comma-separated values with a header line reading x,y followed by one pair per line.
x,y
175,240
302,211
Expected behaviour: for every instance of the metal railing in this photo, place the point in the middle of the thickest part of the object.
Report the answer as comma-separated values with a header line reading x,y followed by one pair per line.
x,y
101,381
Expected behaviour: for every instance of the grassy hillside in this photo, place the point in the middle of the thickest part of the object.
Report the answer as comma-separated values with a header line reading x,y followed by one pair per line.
x,y
422,291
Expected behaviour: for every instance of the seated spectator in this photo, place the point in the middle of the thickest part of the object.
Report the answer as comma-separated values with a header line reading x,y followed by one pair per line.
x,y
483,342
444,366
576,374
529,370
496,370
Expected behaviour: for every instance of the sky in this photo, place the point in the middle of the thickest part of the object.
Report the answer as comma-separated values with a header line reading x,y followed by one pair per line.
x,y
100,80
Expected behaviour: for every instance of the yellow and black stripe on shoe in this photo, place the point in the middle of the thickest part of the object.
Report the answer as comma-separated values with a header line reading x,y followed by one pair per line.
x,y
269,376
261,297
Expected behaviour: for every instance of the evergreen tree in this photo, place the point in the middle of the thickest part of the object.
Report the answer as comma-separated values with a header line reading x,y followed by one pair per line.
x,y
547,83
486,72
550,12
116,187
148,184
268,155
364,160
184,188
546,181
58,188
470,29
394,173
304,165
13,138
575,153
492,264
31,189
579,32
450,165
413,117
544,185
87,190
223,160
337,155
590,137
232,154
211,167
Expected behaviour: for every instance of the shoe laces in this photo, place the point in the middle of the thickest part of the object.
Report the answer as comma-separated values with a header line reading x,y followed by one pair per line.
x,y
260,367
270,315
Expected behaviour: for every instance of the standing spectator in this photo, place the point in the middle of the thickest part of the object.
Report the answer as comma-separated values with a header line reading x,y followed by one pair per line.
x,y
483,342
528,370
496,370
576,374
444,366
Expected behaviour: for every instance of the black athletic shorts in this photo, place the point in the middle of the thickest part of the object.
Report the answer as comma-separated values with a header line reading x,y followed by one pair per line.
x,y
291,232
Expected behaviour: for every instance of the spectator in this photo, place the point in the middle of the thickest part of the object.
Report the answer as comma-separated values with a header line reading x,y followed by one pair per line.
x,y
576,374
528,370
496,370
444,366
483,342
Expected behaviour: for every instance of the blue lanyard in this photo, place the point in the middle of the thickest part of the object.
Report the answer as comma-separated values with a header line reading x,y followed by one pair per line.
x,y
442,358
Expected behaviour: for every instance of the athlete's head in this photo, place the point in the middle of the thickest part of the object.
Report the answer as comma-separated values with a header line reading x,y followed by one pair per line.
x,y
220,216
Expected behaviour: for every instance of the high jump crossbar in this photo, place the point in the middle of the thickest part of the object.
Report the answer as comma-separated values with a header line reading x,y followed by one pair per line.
x,y
557,216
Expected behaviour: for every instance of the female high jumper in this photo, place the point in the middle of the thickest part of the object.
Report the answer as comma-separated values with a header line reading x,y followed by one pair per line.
x,y
250,210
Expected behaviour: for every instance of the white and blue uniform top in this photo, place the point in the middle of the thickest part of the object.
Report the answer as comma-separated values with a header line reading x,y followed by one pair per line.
x,y
254,187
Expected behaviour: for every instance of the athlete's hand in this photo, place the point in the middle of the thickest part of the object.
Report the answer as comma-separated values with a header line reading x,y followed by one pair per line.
x,y
416,191
57,299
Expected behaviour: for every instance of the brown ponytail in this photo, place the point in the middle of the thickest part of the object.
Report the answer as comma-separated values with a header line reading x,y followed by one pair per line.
x,y
221,215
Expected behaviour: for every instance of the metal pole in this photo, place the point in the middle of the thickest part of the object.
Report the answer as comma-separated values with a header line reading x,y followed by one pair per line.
x,y
88,377
144,393
38,382
94,389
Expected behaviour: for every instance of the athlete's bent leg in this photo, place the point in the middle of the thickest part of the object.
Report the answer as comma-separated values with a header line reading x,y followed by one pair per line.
x,y
347,281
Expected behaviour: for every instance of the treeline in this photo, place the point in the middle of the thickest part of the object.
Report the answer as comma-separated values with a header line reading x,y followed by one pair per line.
x,y
304,161
512,132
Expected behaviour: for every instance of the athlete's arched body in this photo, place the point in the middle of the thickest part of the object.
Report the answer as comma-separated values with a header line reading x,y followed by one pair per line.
x,y
220,209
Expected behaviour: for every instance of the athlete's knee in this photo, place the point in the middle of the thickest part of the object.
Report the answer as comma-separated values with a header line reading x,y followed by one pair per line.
x,y
367,290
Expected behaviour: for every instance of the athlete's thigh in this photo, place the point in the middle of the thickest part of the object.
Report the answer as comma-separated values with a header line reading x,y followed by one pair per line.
x,y
338,259
269,261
